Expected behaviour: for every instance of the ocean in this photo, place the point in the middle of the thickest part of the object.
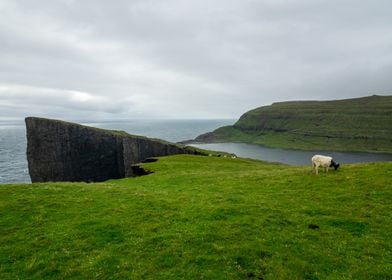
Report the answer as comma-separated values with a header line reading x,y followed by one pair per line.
x,y
13,162
13,142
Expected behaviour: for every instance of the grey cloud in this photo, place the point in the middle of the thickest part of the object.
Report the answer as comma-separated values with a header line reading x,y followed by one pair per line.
x,y
193,58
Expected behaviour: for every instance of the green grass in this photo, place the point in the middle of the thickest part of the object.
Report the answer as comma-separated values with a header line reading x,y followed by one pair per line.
x,y
361,124
201,217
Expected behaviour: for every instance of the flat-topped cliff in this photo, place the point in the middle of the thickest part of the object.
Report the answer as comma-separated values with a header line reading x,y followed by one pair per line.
x,y
356,124
63,151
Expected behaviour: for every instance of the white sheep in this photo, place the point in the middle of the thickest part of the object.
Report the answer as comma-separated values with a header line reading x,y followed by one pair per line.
x,y
323,161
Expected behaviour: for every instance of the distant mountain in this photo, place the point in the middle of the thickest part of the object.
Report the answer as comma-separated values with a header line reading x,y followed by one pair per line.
x,y
358,124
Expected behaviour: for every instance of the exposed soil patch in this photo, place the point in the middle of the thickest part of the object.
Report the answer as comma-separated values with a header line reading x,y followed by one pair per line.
x,y
147,160
313,226
137,170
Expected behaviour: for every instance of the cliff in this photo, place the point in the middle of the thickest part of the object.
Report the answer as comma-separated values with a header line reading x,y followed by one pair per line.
x,y
357,124
63,151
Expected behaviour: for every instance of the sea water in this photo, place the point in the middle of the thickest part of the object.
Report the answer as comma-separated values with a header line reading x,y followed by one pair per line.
x,y
13,162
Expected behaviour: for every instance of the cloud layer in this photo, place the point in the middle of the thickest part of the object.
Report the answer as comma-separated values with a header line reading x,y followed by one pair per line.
x,y
187,59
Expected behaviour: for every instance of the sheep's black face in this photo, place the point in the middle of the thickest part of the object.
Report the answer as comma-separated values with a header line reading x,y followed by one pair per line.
x,y
335,165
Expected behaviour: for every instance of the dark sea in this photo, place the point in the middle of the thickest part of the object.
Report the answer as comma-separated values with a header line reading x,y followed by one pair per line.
x,y
13,162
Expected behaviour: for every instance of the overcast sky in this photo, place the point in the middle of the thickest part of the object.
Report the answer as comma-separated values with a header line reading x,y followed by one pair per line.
x,y
128,59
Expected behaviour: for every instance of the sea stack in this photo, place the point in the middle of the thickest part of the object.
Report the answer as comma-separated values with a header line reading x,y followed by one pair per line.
x,y
63,151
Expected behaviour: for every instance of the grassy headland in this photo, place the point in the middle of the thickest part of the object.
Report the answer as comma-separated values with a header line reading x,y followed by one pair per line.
x,y
360,124
201,217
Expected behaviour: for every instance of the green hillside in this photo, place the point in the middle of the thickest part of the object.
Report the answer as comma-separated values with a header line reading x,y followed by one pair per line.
x,y
199,217
360,124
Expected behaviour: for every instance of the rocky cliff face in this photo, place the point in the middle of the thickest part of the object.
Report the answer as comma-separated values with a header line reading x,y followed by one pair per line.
x,y
62,151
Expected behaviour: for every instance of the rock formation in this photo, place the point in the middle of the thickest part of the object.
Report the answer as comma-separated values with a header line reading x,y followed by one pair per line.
x,y
62,151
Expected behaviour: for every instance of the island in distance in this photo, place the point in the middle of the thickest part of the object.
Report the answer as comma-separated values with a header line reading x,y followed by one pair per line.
x,y
358,124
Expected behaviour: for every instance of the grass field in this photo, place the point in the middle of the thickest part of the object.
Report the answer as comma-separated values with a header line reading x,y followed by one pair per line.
x,y
201,217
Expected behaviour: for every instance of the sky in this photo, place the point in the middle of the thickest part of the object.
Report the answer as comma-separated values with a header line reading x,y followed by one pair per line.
x,y
187,59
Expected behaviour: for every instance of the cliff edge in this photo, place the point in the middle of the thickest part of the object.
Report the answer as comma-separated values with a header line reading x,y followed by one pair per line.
x,y
63,151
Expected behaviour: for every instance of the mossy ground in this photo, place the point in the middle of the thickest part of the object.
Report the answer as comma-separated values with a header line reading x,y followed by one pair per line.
x,y
298,141
201,217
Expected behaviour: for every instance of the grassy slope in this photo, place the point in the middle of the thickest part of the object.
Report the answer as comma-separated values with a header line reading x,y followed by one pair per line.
x,y
203,217
361,124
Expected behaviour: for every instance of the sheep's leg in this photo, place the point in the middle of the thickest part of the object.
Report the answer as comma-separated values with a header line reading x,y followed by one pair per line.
x,y
314,168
